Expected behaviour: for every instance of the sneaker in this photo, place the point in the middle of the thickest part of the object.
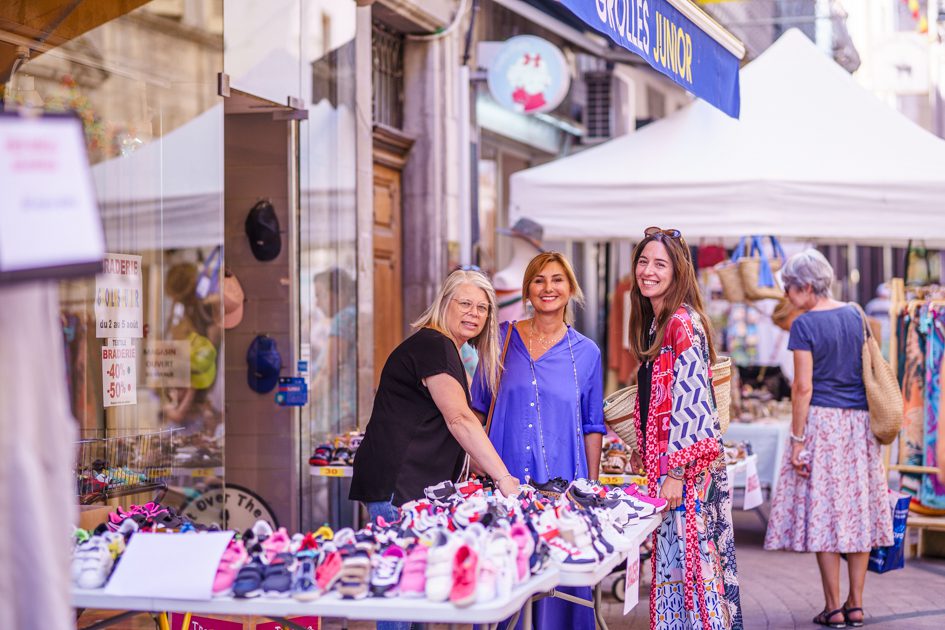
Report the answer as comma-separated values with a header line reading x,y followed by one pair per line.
x,y
233,558
470,488
465,576
92,563
275,544
439,580
525,545
304,584
355,575
635,496
501,551
413,579
440,492
569,558
248,583
277,577
470,511
388,567
321,456
327,573
552,488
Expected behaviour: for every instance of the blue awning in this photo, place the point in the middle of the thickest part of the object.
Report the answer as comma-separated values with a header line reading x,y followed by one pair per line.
x,y
666,34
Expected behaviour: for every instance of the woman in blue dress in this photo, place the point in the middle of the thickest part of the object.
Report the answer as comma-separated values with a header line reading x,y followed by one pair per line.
x,y
548,419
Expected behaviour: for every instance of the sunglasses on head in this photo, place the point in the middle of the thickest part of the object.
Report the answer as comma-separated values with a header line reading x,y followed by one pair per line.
x,y
655,231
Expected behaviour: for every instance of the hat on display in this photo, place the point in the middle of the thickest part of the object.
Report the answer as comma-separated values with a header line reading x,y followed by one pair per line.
x,y
262,228
233,299
203,361
181,281
526,229
263,364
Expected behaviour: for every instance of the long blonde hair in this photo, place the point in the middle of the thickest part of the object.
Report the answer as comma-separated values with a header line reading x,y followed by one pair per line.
x,y
535,267
486,343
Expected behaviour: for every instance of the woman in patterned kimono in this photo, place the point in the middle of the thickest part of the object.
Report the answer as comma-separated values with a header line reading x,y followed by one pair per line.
x,y
695,582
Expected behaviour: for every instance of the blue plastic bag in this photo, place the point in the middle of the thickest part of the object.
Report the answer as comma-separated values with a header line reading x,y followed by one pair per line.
x,y
883,559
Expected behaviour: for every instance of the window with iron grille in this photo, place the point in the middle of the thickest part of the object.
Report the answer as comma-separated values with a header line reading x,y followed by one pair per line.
x,y
388,85
597,112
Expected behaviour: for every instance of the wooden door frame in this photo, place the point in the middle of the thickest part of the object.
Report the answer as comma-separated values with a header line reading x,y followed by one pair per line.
x,y
391,146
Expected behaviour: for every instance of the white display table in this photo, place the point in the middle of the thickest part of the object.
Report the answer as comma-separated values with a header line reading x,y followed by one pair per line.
x,y
768,439
332,605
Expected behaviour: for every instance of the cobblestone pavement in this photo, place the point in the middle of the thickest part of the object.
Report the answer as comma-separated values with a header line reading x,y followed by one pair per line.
x,y
779,591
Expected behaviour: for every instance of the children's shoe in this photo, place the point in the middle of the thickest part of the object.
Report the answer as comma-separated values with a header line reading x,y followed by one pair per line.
x,y
386,575
500,551
355,576
552,488
276,544
440,492
413,579
321,456
92,563
248,583
304,584
327,573
440,568
470,488
277,577
465,576
523,541
233,559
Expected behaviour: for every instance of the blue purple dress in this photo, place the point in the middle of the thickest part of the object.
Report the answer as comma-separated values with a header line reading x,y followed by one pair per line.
x,y
542,436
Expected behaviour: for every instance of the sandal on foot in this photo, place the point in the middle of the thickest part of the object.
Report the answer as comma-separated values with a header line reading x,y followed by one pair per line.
x,y
823,619
853,623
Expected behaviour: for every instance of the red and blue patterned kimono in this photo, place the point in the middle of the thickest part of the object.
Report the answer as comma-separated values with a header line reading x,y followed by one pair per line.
x,y
694,575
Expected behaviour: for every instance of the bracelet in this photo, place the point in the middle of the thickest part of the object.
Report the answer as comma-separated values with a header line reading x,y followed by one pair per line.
x,y
503,477
798,440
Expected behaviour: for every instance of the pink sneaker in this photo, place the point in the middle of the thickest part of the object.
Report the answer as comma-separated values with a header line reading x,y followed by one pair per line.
x,y
328,572
413,580
233,558
657,503
465,573
275,544
523,540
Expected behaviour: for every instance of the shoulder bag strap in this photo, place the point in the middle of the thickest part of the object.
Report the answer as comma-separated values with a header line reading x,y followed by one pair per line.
x,y
495,395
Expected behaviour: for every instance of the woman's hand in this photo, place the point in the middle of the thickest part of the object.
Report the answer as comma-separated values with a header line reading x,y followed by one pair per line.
x,y
508,486
802,469
636,462
671,490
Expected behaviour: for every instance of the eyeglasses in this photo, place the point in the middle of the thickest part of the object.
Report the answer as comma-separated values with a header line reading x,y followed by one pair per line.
x,y
655,231
467,306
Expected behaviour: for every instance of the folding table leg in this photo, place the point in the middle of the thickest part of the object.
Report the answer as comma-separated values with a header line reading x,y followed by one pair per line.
x,y
598,613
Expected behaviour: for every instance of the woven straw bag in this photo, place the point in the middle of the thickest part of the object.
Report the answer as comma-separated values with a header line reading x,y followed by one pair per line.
x,y
883,395
757,271
784,314
618,407
730,277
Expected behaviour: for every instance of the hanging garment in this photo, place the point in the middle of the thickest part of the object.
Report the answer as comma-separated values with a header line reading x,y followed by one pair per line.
x,y
932,492
913,397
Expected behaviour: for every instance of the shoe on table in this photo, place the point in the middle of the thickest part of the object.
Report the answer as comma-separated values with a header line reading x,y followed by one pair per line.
x,y
413,579
304,584
277,576
92,563
387,571
465,576
233,559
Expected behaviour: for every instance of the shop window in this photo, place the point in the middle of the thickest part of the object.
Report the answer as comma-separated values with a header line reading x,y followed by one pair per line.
x,y
597,113
388,60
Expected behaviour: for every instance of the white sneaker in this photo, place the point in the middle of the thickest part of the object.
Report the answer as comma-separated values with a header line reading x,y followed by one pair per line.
x,y
92,563
500,550
440,567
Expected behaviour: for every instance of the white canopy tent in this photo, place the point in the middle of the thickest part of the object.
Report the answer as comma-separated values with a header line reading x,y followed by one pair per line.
x,y
813,156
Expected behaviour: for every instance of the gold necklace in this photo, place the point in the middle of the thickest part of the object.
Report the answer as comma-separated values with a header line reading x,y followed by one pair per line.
x,y
545,343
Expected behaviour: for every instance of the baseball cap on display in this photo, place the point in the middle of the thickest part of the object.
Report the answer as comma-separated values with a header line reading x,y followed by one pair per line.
x,y
526,229
233,299
203,362
262,228
263,363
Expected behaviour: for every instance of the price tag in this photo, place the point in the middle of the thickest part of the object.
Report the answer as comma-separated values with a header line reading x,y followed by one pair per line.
x,y
753,497
119,372
631,588
612,480
331,471
202,472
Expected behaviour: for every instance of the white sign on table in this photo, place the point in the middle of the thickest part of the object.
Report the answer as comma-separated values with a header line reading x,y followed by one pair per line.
x,y
172,566
119,372
631,588
753,496
118,297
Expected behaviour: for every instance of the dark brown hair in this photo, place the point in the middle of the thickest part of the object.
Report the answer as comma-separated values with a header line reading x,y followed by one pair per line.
x,y
684,289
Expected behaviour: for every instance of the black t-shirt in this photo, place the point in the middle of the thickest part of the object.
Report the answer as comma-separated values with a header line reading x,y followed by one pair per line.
x,y
407,445
644,387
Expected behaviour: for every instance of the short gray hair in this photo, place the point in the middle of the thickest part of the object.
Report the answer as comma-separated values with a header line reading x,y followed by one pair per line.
x,y
808,268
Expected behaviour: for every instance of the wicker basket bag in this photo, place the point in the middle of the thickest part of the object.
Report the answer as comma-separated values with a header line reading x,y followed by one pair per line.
x,y
618,407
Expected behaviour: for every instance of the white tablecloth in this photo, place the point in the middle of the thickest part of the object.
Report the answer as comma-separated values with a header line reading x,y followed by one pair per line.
x,y
768,440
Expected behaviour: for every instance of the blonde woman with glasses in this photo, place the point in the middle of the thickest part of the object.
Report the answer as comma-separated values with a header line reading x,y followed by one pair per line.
x,y
422,426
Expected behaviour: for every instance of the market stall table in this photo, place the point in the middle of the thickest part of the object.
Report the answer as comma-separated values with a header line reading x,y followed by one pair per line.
x,y
332,605
768,439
